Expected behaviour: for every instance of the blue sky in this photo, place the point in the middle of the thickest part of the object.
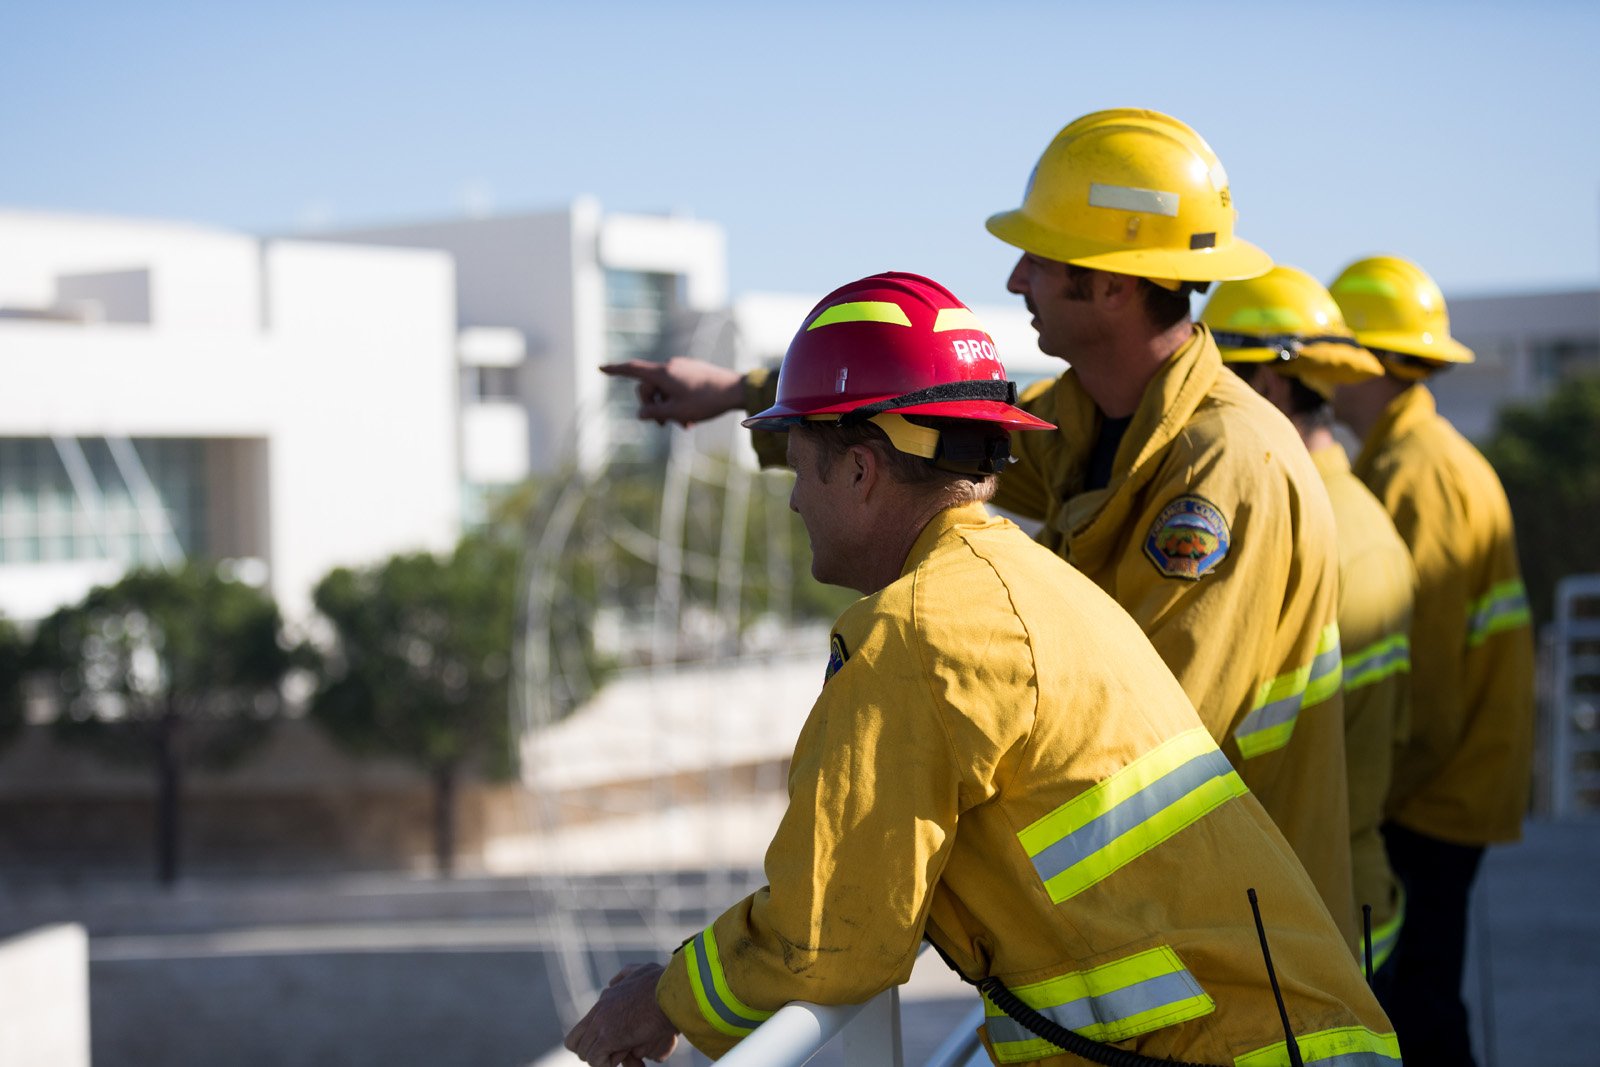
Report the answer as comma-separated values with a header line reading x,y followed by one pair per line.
x,y
830,139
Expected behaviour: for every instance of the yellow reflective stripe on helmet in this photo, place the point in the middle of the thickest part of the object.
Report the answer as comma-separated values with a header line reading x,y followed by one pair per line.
x,y
956,319
718,1005
1114,822
1377,661
1132,198
1345,1046
1364,285
1505,607
862,311
1269,723
1113,1001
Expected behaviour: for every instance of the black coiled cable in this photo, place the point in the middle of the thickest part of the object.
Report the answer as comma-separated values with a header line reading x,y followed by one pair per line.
x,y
1058,1035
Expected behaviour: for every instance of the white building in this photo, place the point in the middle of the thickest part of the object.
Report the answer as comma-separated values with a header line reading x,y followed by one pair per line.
x,y
1526,345
543,300
168,390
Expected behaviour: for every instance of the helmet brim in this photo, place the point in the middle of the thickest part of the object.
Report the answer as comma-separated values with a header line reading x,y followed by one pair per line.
x,y
782,416
1434,350
1235,261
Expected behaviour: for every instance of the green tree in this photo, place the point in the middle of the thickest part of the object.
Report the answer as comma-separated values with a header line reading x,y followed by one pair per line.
x,y
421,666
12,650
1548,457
174,670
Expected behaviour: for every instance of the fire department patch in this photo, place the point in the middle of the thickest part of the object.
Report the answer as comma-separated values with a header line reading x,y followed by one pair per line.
x,y
836,656
1188,539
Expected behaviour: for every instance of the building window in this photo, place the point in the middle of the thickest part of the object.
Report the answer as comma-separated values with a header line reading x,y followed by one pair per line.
x,y
45,517
639,306
1565,358
489,384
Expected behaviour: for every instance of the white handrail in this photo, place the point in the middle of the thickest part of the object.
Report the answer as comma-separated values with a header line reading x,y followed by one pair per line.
x,y
797,1031
870,1033
961,1046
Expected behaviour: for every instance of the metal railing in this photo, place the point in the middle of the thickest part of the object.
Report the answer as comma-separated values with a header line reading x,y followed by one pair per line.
x,y
1574,723
870,1035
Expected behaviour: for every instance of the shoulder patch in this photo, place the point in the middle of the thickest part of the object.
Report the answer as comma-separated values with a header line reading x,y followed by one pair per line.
x,y
1188,539
837,654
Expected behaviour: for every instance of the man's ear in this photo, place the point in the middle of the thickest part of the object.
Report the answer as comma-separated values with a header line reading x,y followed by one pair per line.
x,y
1117,290
863,467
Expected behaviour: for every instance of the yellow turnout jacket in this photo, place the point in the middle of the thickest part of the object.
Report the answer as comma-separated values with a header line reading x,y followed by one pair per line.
x,y
999,761
1376,586
1249,629
1464,771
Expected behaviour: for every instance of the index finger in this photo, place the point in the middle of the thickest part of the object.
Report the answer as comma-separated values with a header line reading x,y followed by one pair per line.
x,y
638,369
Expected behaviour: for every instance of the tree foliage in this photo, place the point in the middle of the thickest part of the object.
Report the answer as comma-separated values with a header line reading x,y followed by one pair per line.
x,y
12,649
172,670
421,665
1548,457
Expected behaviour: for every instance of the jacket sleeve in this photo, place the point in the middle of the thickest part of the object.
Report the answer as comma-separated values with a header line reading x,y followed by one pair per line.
x,y
872,811
760,393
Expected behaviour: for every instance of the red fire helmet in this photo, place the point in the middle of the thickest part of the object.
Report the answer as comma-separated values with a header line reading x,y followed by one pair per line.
x,y
899,343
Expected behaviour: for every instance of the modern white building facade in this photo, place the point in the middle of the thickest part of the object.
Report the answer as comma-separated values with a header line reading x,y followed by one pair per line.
x,y
543,300
170,391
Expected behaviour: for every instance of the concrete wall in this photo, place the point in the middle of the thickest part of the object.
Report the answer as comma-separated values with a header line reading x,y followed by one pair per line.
x,y
297,804
44,998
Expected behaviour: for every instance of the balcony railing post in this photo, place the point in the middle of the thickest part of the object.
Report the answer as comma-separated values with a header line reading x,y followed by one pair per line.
x,y
873,1037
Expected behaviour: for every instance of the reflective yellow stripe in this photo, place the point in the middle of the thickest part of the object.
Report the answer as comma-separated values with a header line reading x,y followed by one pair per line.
x,y
1269,723
862,311
1113,1001
1137,808
956,319
1505,607
1377,661
1346,1046
1327,668
724,1011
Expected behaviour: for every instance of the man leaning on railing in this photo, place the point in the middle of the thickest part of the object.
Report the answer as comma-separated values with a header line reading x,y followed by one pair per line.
x,y
998,761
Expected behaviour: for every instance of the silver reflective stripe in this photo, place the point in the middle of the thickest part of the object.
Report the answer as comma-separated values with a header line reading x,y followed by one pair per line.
x,y
1373,663
1353,1059
1159,795
1269,715
1106,1009
1505,607
1325,664
708,985
1132,198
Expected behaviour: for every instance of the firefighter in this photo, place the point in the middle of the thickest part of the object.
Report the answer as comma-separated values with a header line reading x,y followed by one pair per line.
x,y
998,761
1171,484
1461,780
1283,334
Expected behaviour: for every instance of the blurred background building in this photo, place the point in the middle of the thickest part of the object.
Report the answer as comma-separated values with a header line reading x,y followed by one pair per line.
x,y
175,391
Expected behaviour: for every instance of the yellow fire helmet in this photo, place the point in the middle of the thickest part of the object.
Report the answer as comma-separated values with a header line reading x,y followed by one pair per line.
x,y
1397,311
1286,318
1132,192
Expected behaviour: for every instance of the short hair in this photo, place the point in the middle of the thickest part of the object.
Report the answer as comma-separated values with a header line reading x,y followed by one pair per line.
x,y
1164,307
1306,405
835,440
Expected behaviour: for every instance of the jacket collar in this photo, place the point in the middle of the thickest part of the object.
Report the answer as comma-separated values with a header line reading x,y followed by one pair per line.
x,y
1331,461
1404,414
1169,400
940,526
